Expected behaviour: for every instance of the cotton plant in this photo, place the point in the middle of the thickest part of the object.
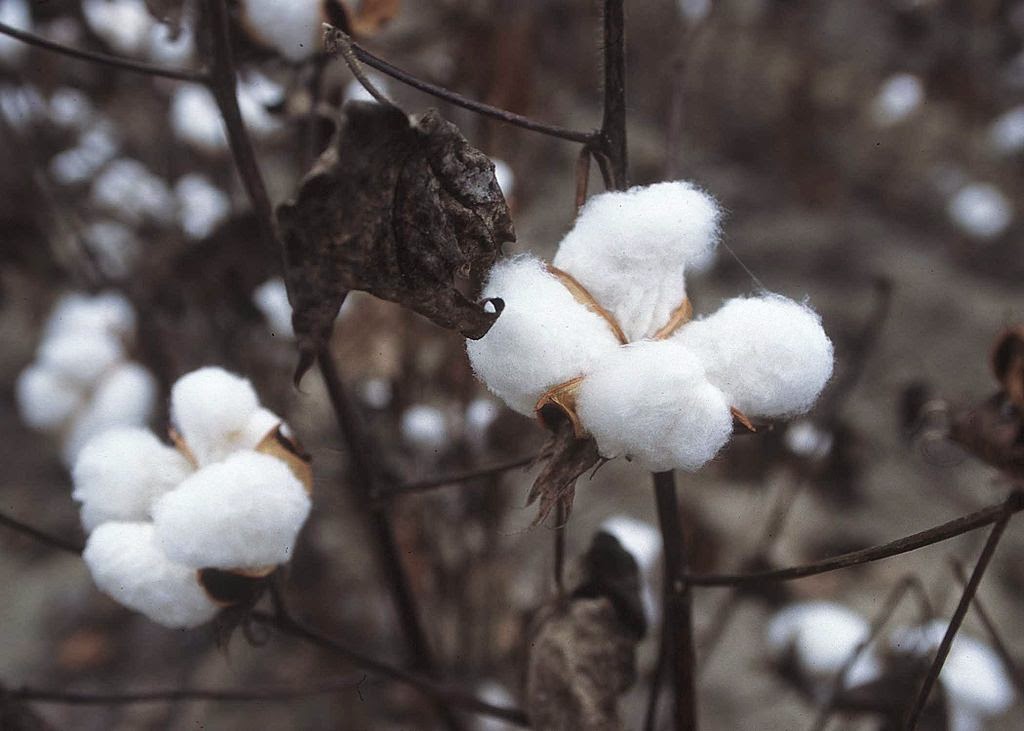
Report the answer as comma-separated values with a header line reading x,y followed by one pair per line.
x,y
605,335
294,29
82,381
202,206
196,118
127,188
164,522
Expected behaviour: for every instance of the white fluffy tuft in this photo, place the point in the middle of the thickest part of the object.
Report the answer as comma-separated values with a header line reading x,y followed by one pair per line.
x,y
201,205
769,355
652,401
107,312
128,188
425,428
80,358
120,473
542,338
211,409
128,566
981,210
244,512
45,400
898,98
123,24
271,298
293,29
630,250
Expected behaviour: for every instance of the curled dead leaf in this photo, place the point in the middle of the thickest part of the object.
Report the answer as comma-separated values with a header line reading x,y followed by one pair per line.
x,y
570,456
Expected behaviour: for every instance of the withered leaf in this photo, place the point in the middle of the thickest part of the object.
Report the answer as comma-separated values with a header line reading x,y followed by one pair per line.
x,y
403,208
570,456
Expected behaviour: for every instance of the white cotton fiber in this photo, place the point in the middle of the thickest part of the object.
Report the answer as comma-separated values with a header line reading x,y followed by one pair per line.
x,y
211,409
769,355
166,48
271,298
45,400
201,205
899,96
255,93
981,210
96,147
15,13
651,401
80,358
543,337
196,119
504,176
630,250
257,427
123,24
128,188
124,397
244,512
480,414
425,428
127,565
1006,135
120,473
806,439
79,314
293,29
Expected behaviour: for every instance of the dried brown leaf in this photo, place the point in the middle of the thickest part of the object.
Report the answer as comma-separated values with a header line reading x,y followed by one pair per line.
x,y
372,15
402,208
570,457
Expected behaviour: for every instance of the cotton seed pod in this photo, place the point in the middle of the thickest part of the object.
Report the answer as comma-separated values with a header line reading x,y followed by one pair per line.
x,y
630,250
769,355
127,565
652,402
543,337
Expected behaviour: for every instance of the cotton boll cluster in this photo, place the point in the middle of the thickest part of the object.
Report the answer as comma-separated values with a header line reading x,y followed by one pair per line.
x,y
196,119
271,298
127,188
17,14
81,382
292,29
232,495
202,206
981,210
899,97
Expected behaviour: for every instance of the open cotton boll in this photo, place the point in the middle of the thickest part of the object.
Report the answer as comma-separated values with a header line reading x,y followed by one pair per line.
x,y
293,29
769,355
806,439
70,107
425,428
898,98
80,358
271,298
79,314
630,250
212,409
95,148
201,205
17,14
123,24
244,512
125,397
128,188
196,119
45,400
120,473
544,337
1006,135
129,567
651,401
163,46
981,210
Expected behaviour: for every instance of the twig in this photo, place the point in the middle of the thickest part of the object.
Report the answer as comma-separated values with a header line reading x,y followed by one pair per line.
x,y
104,59
385,493
970,589
43,537
338,41
268,693
613,124
677,623
582,178
986,516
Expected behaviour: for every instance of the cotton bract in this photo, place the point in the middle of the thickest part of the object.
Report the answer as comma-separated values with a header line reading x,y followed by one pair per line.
x,y
605,333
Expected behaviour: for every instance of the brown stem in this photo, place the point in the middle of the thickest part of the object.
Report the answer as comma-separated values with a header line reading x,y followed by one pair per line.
x,y
677,623
269,693
43,537
103,59
613,124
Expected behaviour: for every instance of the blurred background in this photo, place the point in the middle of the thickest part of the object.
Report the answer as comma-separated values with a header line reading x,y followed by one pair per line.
x,y
869,157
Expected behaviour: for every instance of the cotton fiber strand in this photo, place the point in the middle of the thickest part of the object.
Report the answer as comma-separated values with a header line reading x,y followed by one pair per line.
x,y
293,29
651,401
211,409
243,512
769,355
630,250
128,566
543,337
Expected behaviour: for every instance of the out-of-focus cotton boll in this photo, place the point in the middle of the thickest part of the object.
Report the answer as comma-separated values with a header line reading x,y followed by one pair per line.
x,y
630,250
822,636
21,106
806,439
899,97
114,247
128,566
124,397
167,48
505,177
211,410
196,119
480,414
96,147
769,355
45,400
120,473
981,211
694,10
377,393
244,512
973,675
356,92
651,401
1006,135
128,188
255,93
124,25
80,358
425,428
496,694
543,337
17,14
201,205
293,29
108,312
70,107
271,298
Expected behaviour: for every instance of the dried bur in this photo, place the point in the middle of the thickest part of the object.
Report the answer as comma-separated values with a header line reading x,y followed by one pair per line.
x,y
400,207
583,644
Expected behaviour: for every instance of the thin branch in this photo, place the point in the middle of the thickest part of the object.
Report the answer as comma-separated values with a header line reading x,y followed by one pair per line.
x,y
613,124
104,59
970,589
386,493
986,516
337,41
43,537
677,623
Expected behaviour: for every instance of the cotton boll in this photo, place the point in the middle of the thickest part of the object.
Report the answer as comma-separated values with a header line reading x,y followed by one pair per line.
x,y
630,250
981,210
17,14
123,24
77,314
70,108
480,414
125,397
45,400
128,566
255,93
95,148
1006,135
120,473
425,428
543,337
201,205
898,98
651,401
196,119
212,409
271,298
769,355
80,359
292,29
128,188
244,512
805,439
377,393
113,246
166,48
21,106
